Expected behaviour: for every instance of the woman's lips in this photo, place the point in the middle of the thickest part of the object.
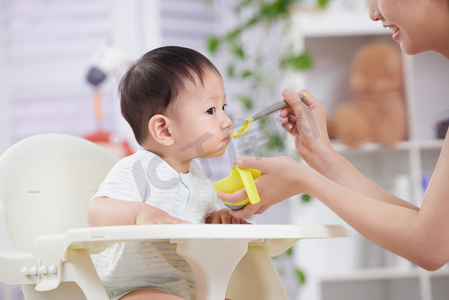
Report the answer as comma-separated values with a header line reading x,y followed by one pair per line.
x,y
395,30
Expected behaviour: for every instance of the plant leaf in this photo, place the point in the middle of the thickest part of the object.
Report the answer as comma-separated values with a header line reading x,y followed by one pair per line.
x,y
300,276
245,101
247,73
298,62
237,51
231,71
305,198
322,3
275,142
213,43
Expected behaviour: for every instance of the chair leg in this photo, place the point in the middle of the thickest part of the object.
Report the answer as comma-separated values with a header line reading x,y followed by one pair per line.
x,y
80,281
80,269
66,291
212,262
256,278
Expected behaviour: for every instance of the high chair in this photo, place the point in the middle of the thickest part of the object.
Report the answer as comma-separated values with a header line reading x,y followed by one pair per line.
x,y
46,183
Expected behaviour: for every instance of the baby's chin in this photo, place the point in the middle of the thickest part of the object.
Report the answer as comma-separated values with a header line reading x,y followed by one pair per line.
x,y
217,153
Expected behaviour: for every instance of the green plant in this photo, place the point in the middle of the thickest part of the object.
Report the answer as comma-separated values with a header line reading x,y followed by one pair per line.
x,y
254,64
305,198
298,273
251,67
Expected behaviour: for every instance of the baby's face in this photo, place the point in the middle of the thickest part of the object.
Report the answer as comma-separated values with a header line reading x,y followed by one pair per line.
x,y
202,127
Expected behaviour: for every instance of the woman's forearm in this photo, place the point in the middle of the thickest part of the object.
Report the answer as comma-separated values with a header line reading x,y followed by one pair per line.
x,y
399,229
335,167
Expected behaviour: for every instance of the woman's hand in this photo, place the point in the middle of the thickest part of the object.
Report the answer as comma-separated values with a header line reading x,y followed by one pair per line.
x,y
306,121
281,178
223,216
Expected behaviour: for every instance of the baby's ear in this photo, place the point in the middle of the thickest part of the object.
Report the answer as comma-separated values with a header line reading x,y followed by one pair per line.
x,y
160,129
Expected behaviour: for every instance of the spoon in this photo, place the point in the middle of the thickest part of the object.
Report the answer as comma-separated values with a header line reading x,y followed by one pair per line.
x,y
267,111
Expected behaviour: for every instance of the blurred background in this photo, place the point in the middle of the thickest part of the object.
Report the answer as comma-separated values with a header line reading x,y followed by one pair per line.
x,y
61,60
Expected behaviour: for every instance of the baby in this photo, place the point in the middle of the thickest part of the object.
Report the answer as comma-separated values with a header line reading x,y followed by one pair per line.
x,y
174,100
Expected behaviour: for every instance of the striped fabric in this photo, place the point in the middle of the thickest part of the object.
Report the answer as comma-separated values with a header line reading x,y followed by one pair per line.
x,y
145,177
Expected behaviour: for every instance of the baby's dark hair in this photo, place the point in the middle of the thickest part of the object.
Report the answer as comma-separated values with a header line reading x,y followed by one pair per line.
x,y
151,84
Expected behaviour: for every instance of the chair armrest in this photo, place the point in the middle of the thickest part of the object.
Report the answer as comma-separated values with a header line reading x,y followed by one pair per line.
x,y
277,238
51,251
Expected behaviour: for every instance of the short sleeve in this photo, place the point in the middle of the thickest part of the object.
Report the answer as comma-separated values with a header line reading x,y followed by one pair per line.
x,y
122,182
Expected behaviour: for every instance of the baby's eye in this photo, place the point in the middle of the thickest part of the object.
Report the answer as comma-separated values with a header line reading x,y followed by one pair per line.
x,y
211,111
225,107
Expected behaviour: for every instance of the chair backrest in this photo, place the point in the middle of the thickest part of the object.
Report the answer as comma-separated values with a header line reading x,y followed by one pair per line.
x,y
46,183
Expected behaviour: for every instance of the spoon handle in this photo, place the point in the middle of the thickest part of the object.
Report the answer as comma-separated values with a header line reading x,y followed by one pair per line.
x,y
274,107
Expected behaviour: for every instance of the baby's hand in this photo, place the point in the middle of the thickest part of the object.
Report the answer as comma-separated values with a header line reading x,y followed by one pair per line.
x,y
153,215
224,217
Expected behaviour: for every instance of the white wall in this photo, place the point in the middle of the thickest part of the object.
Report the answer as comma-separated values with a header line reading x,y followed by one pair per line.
x,y
47,47
45,52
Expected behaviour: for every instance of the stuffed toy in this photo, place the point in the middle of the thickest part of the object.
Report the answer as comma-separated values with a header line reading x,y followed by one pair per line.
x,y
376,112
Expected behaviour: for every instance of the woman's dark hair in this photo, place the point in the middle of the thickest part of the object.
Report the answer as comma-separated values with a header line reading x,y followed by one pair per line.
x,y
151,84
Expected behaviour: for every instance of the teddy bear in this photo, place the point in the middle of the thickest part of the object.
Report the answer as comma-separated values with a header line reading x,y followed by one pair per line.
x,y
376,112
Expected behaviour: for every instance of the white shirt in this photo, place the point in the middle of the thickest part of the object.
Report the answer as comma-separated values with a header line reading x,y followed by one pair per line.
x,y
145,177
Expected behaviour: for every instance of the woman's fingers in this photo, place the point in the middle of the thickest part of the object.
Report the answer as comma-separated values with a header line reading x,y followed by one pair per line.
x,y
235,197
247,211
296,104
305,121
259,163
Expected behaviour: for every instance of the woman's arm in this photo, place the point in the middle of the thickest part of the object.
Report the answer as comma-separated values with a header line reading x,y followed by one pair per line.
x,y
105,211
421,236
338,169
306,122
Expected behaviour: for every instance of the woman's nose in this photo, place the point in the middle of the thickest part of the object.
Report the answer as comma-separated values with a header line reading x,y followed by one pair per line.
x,y
374,12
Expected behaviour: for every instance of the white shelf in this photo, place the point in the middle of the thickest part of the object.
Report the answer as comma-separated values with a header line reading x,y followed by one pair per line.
x,y
384,274
443,272
400,146
338,23
332,39
373,274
